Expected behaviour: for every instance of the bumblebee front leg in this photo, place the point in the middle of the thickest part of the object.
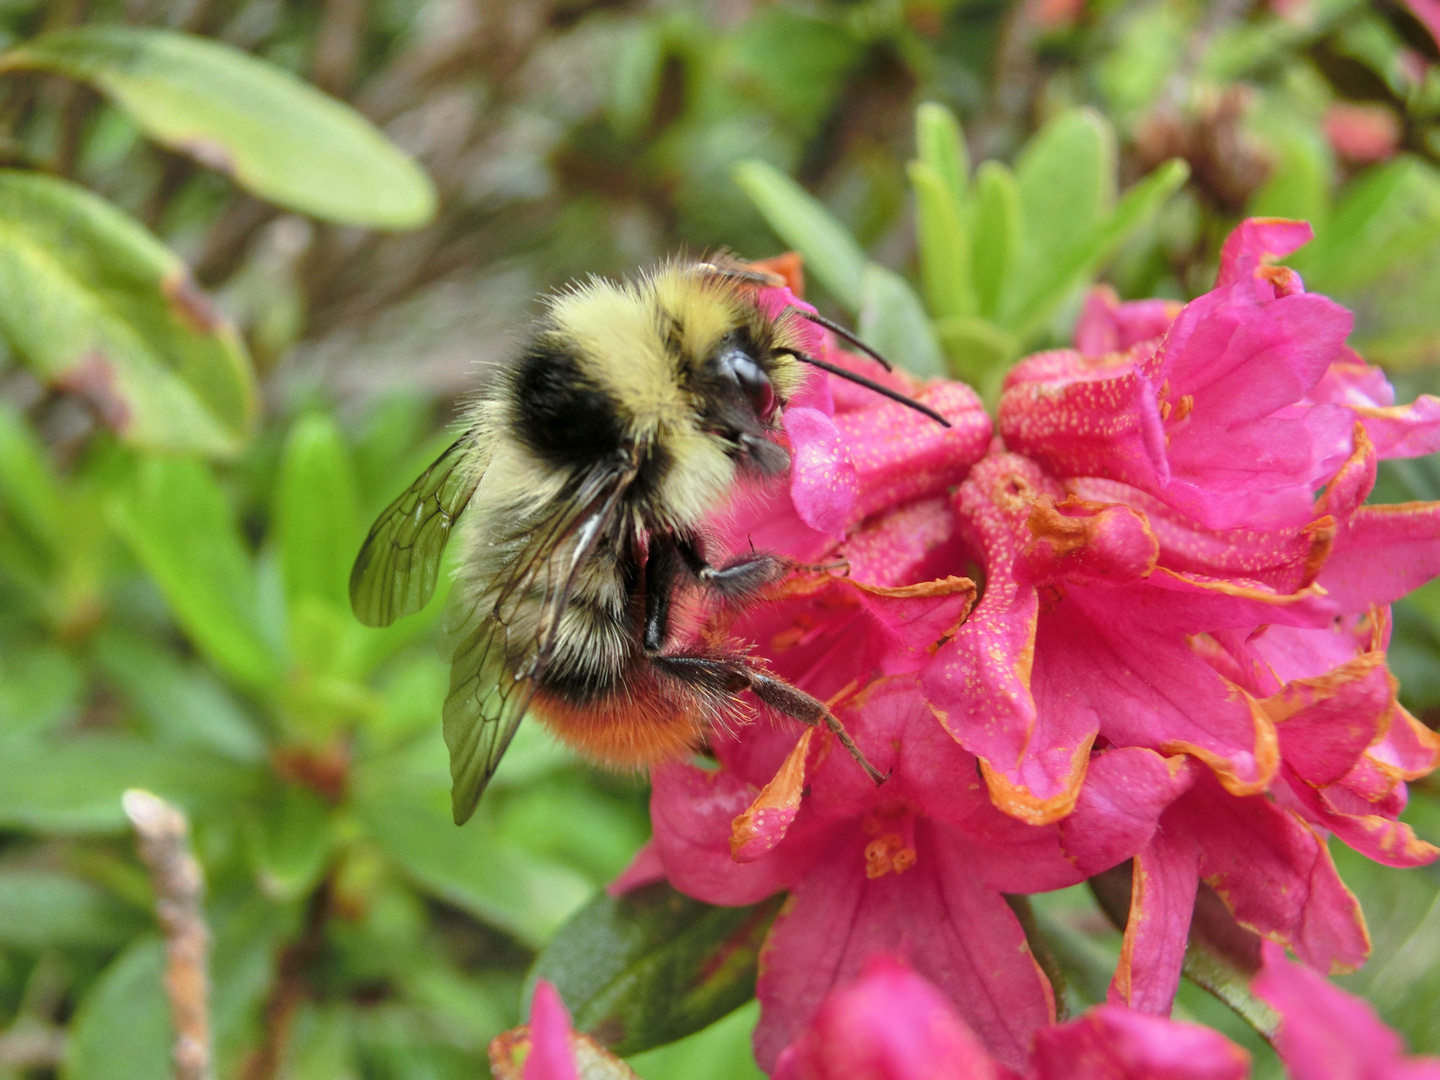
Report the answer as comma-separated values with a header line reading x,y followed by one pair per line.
x,y
738,578
725,675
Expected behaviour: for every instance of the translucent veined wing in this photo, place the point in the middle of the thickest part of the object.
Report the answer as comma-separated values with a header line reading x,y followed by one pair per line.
x,y
505,633
395,572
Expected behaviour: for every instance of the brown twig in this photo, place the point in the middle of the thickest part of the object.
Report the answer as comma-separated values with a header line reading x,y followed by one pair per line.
x,y
163,835
289,989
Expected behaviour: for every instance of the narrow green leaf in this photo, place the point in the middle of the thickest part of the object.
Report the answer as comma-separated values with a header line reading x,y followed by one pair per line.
x,y
997,239
1299,182
1066,180
40,687
722,1051
893,321
100,307
29,489
289,842
473,868
122,1029
316,516
176,522
272,133
184,702
1046,288
653,966
979,352
944,245
42,909
941,145
798,218
73,785
635,78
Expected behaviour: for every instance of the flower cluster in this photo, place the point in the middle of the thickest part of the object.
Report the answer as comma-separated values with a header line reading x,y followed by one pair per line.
x,y
1177,655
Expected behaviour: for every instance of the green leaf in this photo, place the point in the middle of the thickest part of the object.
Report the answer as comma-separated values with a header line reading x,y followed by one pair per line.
x,y
944,245
289,841
99,306
980,352
268,130
894,323
941,146
122,1029
316,517
43,909
1299,182
177,523
653,966
997,233
1046,288
40,687
635,72
184,703
473,868
73,784
721,1052
29,489
1066,181
798,218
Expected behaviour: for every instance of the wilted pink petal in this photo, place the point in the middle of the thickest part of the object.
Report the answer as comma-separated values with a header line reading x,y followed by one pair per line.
x,y
1084,543
1125,792
1364,826
1362,133
1107,325
550,1055
1109,1043
889,1025
763,823
823,481
1326,1034
1276,875
1162,899
1256,241
1325,723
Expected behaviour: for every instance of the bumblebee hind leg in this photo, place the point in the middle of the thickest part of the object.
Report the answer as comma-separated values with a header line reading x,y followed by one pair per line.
x,y
717,676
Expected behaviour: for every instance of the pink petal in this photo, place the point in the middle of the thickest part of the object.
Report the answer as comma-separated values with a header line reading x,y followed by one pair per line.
x,y
550,1055
1125,792
645,868
1351,381
936,917
1428,12
1388,551
890,1025
1106,325
901,455
1324,724
1325,1034
1162,901
693,811
824,485
1403,431
1275,874
1116,1044
1360,825
1085,542
1256,241
912,543
763,824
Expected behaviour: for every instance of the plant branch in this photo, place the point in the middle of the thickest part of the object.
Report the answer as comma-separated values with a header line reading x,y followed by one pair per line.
x,y
163,835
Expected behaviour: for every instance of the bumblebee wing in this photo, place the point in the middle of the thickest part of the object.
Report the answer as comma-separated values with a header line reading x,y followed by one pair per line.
x,y
395,572
506,634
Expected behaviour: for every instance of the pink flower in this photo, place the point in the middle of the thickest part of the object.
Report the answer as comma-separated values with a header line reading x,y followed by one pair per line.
x,y
915,867
891,1024
1325,1034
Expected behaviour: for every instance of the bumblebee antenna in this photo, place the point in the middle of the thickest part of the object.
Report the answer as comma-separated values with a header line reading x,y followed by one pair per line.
x,y
840,331
870,384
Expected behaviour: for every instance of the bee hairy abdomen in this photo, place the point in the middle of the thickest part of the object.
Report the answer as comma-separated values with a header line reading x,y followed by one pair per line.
x,y
640,722
558,413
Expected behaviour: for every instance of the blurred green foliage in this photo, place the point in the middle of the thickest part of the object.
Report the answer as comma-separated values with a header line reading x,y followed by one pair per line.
x,y
236,315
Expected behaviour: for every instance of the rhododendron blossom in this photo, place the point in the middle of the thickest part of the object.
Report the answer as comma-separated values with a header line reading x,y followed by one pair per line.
x,y
1175,653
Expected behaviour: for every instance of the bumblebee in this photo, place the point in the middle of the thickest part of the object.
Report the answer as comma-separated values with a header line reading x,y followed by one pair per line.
x,y
584,475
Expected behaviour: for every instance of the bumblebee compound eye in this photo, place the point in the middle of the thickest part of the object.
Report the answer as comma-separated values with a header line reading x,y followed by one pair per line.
x,y
738,365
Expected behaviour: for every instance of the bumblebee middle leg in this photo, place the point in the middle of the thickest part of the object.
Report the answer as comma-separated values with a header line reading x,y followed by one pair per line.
x,y
726,675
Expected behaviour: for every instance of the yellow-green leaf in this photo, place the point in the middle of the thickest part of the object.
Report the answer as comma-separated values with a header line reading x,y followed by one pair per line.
x,y
271,132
